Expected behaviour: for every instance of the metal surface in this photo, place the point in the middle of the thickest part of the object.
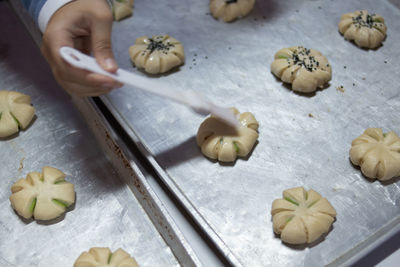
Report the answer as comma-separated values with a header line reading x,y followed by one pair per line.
x,y
126,164
304,140
106,213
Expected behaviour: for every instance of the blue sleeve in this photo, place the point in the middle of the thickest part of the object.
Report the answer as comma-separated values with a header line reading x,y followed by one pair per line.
x,y
33,7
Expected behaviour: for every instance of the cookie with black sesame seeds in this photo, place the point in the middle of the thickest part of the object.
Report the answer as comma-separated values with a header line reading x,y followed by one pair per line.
x,y
158,54
366,30
306,69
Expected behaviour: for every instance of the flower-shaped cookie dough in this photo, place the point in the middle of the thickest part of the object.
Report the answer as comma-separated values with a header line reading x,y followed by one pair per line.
x,y
301,216
377,153
220,141
306,69
101,257
122,8
157,54
367,30
229,10
15,112
45,196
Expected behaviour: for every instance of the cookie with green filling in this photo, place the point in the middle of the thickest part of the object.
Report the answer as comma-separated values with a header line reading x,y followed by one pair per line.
x,y
301,216
218,140
377,153
44,196
229,10
100,257
122,9
16,112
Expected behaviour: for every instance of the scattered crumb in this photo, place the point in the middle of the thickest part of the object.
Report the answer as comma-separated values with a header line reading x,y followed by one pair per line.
x,y
195,55
206,57
319,7
21,164
194,59
354,84
385,61
340,88
345,67
310,115
190,68
363,78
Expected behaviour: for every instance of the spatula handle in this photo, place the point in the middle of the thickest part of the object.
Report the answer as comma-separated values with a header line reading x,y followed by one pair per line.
x,y
188,97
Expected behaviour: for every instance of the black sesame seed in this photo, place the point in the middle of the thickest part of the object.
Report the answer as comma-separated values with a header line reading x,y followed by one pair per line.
x,y
301,57
359,21
158,45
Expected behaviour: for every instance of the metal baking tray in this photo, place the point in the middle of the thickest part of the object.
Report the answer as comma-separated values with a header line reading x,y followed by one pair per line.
x,y
304,139
106,212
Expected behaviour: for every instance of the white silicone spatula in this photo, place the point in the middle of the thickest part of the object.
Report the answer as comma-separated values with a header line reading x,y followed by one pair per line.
x,y
188,97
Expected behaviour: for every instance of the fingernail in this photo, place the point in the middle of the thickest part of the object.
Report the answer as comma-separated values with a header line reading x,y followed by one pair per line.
x,y
108,85
110,63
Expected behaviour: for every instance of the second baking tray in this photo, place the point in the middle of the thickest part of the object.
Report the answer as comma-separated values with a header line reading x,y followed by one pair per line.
x,y
106,212
304,139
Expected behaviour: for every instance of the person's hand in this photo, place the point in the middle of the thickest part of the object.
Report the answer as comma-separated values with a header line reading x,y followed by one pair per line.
x,y
86,26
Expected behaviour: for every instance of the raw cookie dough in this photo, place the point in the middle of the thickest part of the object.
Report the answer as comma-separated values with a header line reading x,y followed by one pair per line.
x,y
306,69
377,153
157,54
122,9
220,141
301,216
99,257
229,10
15,112
45,196
367,30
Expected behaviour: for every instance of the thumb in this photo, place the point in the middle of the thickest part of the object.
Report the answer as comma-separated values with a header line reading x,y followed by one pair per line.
x,y
101,43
